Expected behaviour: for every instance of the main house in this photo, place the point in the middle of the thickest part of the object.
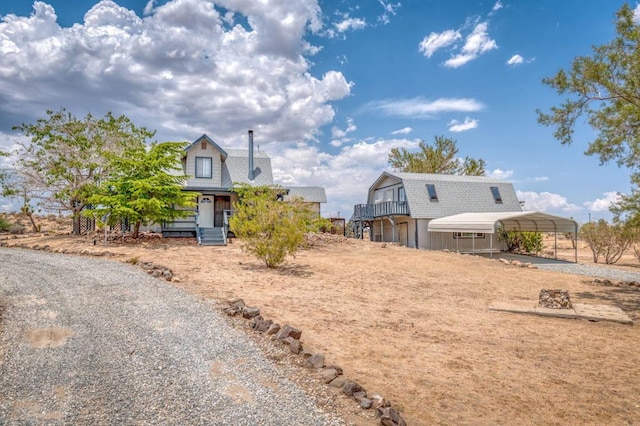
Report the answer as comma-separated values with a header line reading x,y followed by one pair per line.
x,y
437,211
212,172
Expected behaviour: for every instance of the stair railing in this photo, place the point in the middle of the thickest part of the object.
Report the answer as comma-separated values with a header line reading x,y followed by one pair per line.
x,y
198,236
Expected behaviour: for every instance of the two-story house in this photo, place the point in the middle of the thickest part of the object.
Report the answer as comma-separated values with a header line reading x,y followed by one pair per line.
x,y
212,172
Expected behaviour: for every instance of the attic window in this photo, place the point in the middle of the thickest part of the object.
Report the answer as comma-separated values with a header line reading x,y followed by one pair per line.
x,y
433,195
496,194
203,145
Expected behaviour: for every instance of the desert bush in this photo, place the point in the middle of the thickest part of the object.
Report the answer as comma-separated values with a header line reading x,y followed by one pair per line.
x,y
17,228
607,240
4,224
270,228
521,241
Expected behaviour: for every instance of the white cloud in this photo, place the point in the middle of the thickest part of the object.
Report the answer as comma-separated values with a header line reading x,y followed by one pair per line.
x,y
476,43
434,41
389,9
346,175
602,204
636,14
403,131
182,58
545,202
350,24
421,108
467,124
515,60
497,6
500,174
339,135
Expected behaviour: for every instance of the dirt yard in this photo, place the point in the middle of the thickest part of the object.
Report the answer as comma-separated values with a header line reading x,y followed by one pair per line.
x,y
414,326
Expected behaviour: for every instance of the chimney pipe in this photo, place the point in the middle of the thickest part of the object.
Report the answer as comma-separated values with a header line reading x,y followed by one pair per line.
x,y
251,168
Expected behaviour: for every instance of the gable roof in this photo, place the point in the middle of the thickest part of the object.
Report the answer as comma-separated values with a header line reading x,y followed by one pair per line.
x,y
310,194
235,168
204,136
456,194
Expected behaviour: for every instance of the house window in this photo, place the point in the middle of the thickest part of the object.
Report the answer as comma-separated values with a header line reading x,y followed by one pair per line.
x,y
496,194
203,145
402,196
433,195
388,195
203,167
463,235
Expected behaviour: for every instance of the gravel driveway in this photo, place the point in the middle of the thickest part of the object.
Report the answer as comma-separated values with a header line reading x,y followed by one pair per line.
x,y
89,341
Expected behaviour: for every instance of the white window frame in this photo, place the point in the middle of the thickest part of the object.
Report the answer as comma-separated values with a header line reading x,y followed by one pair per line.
x,y
203,172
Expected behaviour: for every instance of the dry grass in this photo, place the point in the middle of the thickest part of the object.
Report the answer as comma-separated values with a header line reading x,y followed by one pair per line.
x,y
414,326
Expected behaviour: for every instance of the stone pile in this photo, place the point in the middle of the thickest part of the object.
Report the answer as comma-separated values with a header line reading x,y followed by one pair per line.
x,y
516,262
329,374
555,299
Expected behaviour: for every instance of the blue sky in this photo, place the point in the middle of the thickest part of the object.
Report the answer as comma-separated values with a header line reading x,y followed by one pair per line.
x,y
329,87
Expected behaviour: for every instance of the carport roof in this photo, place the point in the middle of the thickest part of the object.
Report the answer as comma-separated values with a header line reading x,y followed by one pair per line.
x,y
511,221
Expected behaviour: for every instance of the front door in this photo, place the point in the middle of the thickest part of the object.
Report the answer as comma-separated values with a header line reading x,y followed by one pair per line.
x,y
205,211
222,203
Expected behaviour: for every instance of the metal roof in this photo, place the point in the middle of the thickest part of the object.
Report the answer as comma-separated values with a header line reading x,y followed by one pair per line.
x,y
512,221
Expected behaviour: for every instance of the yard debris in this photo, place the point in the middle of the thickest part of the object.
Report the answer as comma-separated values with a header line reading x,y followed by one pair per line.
x,y
555,299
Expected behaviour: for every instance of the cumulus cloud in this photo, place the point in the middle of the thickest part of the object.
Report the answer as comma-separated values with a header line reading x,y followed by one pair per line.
x,y
181,68
346,175
500,174
422,108
476,43
403,131
350,24
546,202
434,41
602,204
497,6
340,135
468,124
515,60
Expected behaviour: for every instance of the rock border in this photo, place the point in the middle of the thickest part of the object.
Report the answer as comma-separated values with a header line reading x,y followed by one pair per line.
x,y
331,375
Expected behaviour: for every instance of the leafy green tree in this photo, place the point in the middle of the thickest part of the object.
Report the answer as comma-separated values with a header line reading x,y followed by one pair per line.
x,y
144,186
65,158
437,158
270,228
607,240
604,88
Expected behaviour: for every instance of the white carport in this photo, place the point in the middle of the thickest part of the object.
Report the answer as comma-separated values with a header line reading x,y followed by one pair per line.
x,y
511,221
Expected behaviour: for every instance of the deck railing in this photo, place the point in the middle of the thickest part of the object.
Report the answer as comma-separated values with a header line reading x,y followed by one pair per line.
x,y
387,208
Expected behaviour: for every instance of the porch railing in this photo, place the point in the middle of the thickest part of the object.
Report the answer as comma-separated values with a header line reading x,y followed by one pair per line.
x,y
387,208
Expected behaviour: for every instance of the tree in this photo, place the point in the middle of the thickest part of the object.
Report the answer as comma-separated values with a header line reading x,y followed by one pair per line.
x,y
22,187
521,241
605,89
270,228
607,240
143,186
437,158
66,159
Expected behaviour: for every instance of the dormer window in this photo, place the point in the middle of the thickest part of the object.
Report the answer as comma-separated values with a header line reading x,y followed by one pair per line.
x,y
431,189
203,167
496,195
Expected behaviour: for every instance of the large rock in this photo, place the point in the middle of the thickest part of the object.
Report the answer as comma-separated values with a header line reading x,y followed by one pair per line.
x,y
328,374
273,329
390,417
288,331
315,361
295,347
350,388
338,382
249,312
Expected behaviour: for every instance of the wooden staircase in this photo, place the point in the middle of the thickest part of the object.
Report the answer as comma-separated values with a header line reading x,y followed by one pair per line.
x,y
212,236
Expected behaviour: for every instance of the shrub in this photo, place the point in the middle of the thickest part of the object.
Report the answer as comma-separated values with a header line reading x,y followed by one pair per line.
x,y
521,241
17,228
607,240
270,228
4,224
